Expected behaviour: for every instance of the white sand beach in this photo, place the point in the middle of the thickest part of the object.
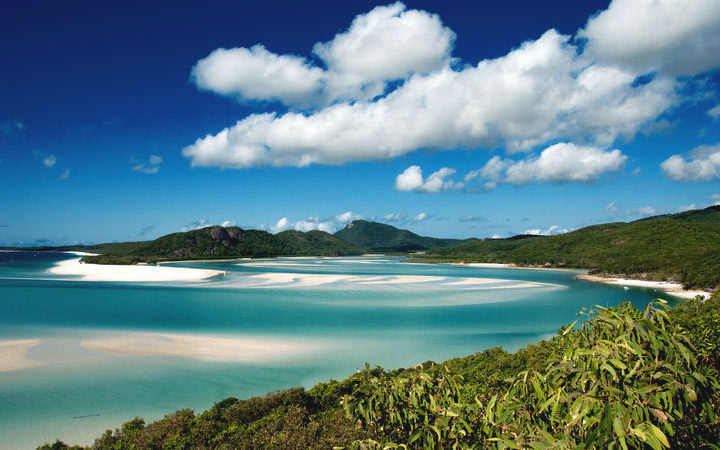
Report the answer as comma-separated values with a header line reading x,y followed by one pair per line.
x,y
14,355
129,273
674,289
238,349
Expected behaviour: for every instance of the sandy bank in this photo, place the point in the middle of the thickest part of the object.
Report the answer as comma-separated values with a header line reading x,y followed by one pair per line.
x,y
674,289
13,355
238,349
136,273
284,280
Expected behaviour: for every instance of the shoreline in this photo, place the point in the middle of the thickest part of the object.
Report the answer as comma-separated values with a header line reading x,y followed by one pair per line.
x,y
669,287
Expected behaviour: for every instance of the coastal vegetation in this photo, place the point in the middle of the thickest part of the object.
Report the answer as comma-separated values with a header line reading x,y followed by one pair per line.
x,y
218,242
619,378
682,247
380,237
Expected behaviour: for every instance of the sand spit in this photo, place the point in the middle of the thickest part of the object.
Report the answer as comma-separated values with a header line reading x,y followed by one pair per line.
x,y
674,289
283,280
130,273
222,348
13,355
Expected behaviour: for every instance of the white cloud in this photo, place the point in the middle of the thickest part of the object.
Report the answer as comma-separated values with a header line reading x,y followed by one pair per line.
x,y
411,179
553,230
152,165
671,36
49,160
65,175
420,217
394,217
329,225
643,211
714,112
496,236
544,91
228,223
686,208
257,74
563,162
703,164
612,207
715,199
387,43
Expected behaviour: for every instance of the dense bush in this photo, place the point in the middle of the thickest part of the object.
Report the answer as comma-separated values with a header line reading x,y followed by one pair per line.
x,y
621,379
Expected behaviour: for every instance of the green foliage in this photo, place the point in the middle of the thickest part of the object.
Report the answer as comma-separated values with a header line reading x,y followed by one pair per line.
x,y
683,247
622,379
379,237
225,243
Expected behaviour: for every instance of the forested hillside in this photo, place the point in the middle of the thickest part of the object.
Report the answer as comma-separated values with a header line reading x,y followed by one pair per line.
x,y
684,247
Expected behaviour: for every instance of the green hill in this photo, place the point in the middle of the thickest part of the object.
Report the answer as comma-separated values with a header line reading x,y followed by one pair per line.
x,y
683,247
218,242
379,237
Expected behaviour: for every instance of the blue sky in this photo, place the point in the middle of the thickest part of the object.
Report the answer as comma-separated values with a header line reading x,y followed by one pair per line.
x,y
112,116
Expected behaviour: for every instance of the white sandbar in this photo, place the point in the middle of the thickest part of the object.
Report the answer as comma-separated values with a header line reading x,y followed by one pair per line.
x,y
137,273
13,355
238,349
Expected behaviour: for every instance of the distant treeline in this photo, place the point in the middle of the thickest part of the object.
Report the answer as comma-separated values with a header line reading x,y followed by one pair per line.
x,y
683,247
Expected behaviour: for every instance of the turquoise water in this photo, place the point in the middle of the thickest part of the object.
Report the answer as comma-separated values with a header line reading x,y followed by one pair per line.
x,y
368,311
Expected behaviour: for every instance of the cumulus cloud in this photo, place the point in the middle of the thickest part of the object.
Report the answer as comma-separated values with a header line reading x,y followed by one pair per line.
x,y
49,160
388,43
152,165
257,74
421,217
411,179
546,90
329,225
551,231
715,199
703,164
674,37
559,163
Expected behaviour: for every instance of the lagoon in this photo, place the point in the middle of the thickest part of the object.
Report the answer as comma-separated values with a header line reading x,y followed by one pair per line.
x,y
108,351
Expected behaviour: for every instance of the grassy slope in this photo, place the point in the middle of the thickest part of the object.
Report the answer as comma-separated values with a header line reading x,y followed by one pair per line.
x,y
386,238
301,419
684,247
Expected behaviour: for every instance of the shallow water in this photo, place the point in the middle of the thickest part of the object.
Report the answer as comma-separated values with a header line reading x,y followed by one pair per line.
x,y
368,311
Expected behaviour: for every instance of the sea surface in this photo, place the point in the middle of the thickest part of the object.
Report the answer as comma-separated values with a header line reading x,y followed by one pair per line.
x,y
333,314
